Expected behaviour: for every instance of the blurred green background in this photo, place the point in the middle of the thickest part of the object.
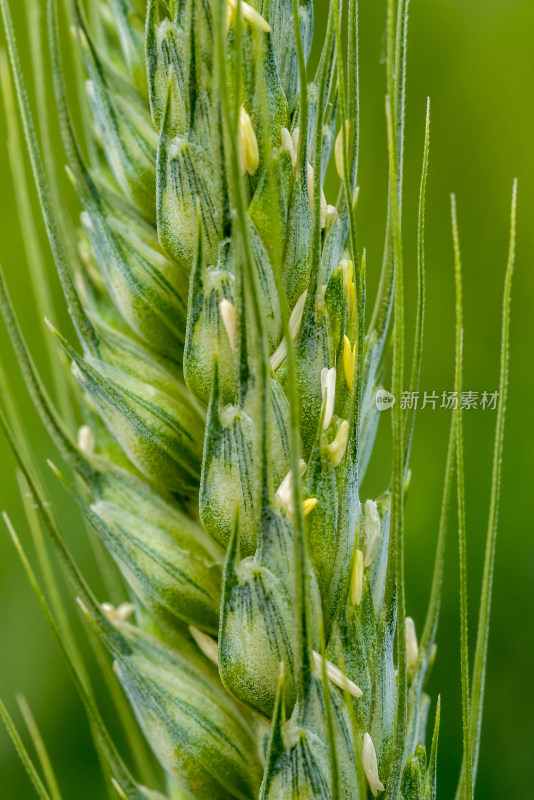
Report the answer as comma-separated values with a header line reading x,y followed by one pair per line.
x,y
475,59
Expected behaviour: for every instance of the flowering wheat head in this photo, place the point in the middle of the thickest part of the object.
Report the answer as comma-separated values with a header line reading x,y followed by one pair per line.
x,y
226,382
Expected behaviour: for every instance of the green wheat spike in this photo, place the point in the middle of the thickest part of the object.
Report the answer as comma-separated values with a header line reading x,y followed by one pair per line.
x,y
226,381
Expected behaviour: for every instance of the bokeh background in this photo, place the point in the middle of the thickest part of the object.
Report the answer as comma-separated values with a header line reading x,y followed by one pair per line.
x,y
475,60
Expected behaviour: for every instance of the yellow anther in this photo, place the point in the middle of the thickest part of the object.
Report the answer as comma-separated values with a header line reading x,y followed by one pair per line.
x,y
229,318
230,14
356,579
249,155
338,150
336,449
347,267
352,300
308,505
347,362
250,14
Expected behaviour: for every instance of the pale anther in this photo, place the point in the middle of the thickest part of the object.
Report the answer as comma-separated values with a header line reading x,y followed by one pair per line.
x,y
284,495
119,614
248,144
228,314
371,530
206,643
86,440
335,675
287,144
294,326
370,765
330,215
328,389
250,14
